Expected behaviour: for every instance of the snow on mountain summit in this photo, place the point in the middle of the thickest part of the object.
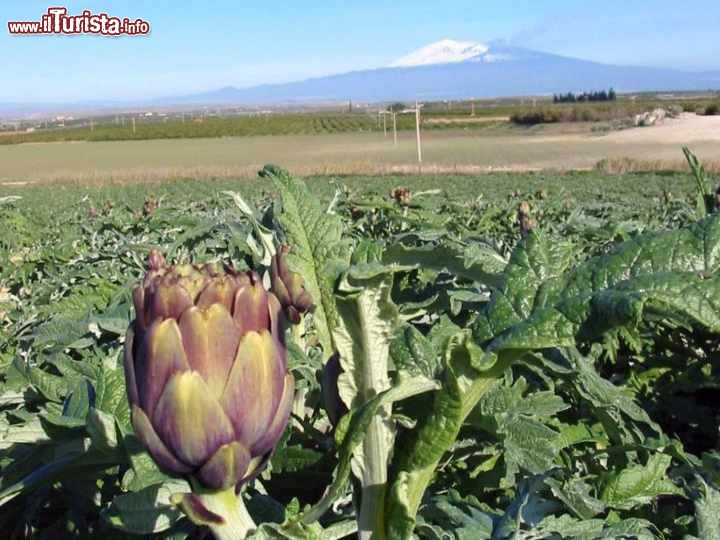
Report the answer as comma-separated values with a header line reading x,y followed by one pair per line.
x,y
445,52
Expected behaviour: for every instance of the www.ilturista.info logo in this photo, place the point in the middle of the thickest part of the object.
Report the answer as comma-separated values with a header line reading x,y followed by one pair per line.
x,y
57,21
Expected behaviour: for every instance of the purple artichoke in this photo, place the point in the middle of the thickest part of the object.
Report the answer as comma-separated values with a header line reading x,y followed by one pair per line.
x,y
289,287
206,372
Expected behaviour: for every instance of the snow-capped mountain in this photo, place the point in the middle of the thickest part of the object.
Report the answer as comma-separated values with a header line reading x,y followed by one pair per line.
x,y
452,69
446,51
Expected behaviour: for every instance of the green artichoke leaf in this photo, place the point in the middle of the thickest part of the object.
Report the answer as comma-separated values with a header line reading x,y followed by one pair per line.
x,y
54,463
367,322
566,526
467,376
683,298
535,281
706,512
266,249
520,422
355,426
111,397
147,511
639,484
63,331
300,531
413,352
537,259
102,429
318,248
465,517
481,265
705,202
577,497
29,432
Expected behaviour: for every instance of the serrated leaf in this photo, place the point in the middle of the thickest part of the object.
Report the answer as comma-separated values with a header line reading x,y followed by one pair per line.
x,y
656,275
318,249
111,396
294,458
639,484
707,516
466,380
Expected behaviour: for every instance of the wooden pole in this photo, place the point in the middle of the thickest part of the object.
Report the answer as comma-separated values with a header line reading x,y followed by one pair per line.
x,y
133,124
394,128
385,124
417,131
473,108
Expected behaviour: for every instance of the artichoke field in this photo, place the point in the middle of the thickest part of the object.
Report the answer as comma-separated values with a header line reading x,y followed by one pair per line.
x,y
322,361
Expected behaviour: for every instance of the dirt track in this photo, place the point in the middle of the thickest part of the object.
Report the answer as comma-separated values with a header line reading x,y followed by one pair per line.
x,y
686,129
556,147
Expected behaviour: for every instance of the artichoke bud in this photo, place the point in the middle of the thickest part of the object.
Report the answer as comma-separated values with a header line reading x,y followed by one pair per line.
x,y
289,287
206,371
527,222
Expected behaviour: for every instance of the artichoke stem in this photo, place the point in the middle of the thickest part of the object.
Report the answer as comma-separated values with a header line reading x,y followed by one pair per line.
x,y
374,480
230,506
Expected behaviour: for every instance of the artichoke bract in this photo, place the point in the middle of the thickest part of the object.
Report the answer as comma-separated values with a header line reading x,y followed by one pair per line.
x,y
206,371
289,287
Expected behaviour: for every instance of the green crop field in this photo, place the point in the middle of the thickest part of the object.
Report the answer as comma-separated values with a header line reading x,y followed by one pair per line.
x,y
517,356
241,126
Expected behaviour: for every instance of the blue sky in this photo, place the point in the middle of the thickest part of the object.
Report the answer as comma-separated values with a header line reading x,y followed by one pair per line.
x,y
201,45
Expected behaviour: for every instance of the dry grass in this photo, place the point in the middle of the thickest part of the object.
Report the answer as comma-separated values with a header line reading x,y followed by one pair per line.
x,y
210,173
622,165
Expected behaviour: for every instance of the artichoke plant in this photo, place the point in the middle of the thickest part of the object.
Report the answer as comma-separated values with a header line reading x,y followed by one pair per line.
x,y
289,287
206,372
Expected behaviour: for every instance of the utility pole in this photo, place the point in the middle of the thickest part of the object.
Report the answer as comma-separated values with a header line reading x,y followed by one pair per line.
x,y
133,125
385,124
394,128
417,132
